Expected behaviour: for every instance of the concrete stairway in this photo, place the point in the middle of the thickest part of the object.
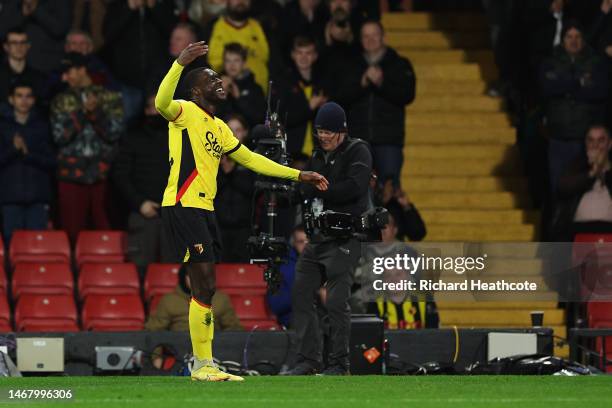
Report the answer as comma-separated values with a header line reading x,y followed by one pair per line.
x,y
461,167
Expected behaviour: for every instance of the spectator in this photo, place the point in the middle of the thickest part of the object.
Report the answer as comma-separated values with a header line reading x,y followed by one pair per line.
x,y
26,159
574,83
87,121
244,95
236,27
400,310
408,221
363,291
204,11
16,67
235,188
240,128
136,33
303,18
45,21
304,94
88,15
141,173
172,312
377,90
280,302
585,190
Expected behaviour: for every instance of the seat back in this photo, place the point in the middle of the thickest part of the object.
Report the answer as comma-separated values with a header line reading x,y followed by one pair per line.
x,y
108,279
251,307
42,278
50,310
235,279
160,279
39,246
113,313
100,246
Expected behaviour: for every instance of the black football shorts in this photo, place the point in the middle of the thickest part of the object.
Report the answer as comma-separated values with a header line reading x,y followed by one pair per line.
x,y
191,234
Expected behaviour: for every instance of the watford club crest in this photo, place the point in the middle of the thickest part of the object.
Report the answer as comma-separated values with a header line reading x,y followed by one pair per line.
x,y
208,319
199,248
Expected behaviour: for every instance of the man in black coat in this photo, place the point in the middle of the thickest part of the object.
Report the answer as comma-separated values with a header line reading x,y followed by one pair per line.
x,y
574,84
140,173
305,91
244,96
26,164
377,91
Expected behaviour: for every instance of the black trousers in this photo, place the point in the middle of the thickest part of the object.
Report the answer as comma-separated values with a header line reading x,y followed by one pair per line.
x,y
331,262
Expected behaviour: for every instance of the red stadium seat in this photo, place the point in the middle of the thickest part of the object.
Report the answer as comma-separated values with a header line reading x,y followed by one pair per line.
x,y
100,246
5,315
260,325
237,279
600,317
43,279
113,313
46,313
3,285
250,307
160,279
108,279
39,246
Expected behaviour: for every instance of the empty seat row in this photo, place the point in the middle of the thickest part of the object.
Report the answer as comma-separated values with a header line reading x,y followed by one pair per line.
x,y
53,246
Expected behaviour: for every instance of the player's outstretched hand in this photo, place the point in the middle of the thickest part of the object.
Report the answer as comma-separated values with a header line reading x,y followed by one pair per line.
x,y
315,179
191,52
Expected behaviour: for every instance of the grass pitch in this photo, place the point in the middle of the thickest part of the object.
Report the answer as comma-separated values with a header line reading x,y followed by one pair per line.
x,y
294,392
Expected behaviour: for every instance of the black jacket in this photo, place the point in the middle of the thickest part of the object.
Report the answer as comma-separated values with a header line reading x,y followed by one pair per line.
x,y
26,179
377,115
251,103
135,42
348,170
575,92
141,168
233,203
572,186
294,106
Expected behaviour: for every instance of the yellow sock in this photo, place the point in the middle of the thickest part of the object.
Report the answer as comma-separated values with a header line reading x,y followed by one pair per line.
x,y
201,329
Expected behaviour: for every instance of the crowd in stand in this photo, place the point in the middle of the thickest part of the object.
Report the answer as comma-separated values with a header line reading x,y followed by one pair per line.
x,y
82,146
555,63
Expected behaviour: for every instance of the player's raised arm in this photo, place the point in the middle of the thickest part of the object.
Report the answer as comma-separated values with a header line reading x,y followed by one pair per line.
x,y
169,108
263,165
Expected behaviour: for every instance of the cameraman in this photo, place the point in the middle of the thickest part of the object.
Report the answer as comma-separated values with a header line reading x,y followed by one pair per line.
x,y
347,164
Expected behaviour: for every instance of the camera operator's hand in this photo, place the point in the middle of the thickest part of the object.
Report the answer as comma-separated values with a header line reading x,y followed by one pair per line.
x,y
191,52
315,179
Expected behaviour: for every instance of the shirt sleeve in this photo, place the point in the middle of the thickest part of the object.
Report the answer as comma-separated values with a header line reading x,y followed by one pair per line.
x,y
169,108
262,165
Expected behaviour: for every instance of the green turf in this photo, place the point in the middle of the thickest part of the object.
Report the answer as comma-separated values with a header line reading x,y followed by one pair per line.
x,y
293,392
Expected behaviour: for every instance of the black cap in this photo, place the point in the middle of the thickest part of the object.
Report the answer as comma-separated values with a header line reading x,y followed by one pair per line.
x,y
73,59
331,117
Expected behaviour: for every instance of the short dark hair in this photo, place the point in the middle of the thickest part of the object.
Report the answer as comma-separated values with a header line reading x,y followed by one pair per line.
x,y
192,78
235,48
303,41
572,23
239,118
15,30
186,25
375,22
20,84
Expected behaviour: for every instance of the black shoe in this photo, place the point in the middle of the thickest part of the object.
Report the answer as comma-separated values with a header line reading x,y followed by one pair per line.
x,y
302,369
335,370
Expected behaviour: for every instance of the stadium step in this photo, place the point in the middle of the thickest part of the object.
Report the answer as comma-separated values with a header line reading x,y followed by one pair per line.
x,y
477,184
484,120
479,217
479,233
454,72
500,318
468,201
424,40
430,21
425,57
459,88
469,152
456,104
461,167
445,135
